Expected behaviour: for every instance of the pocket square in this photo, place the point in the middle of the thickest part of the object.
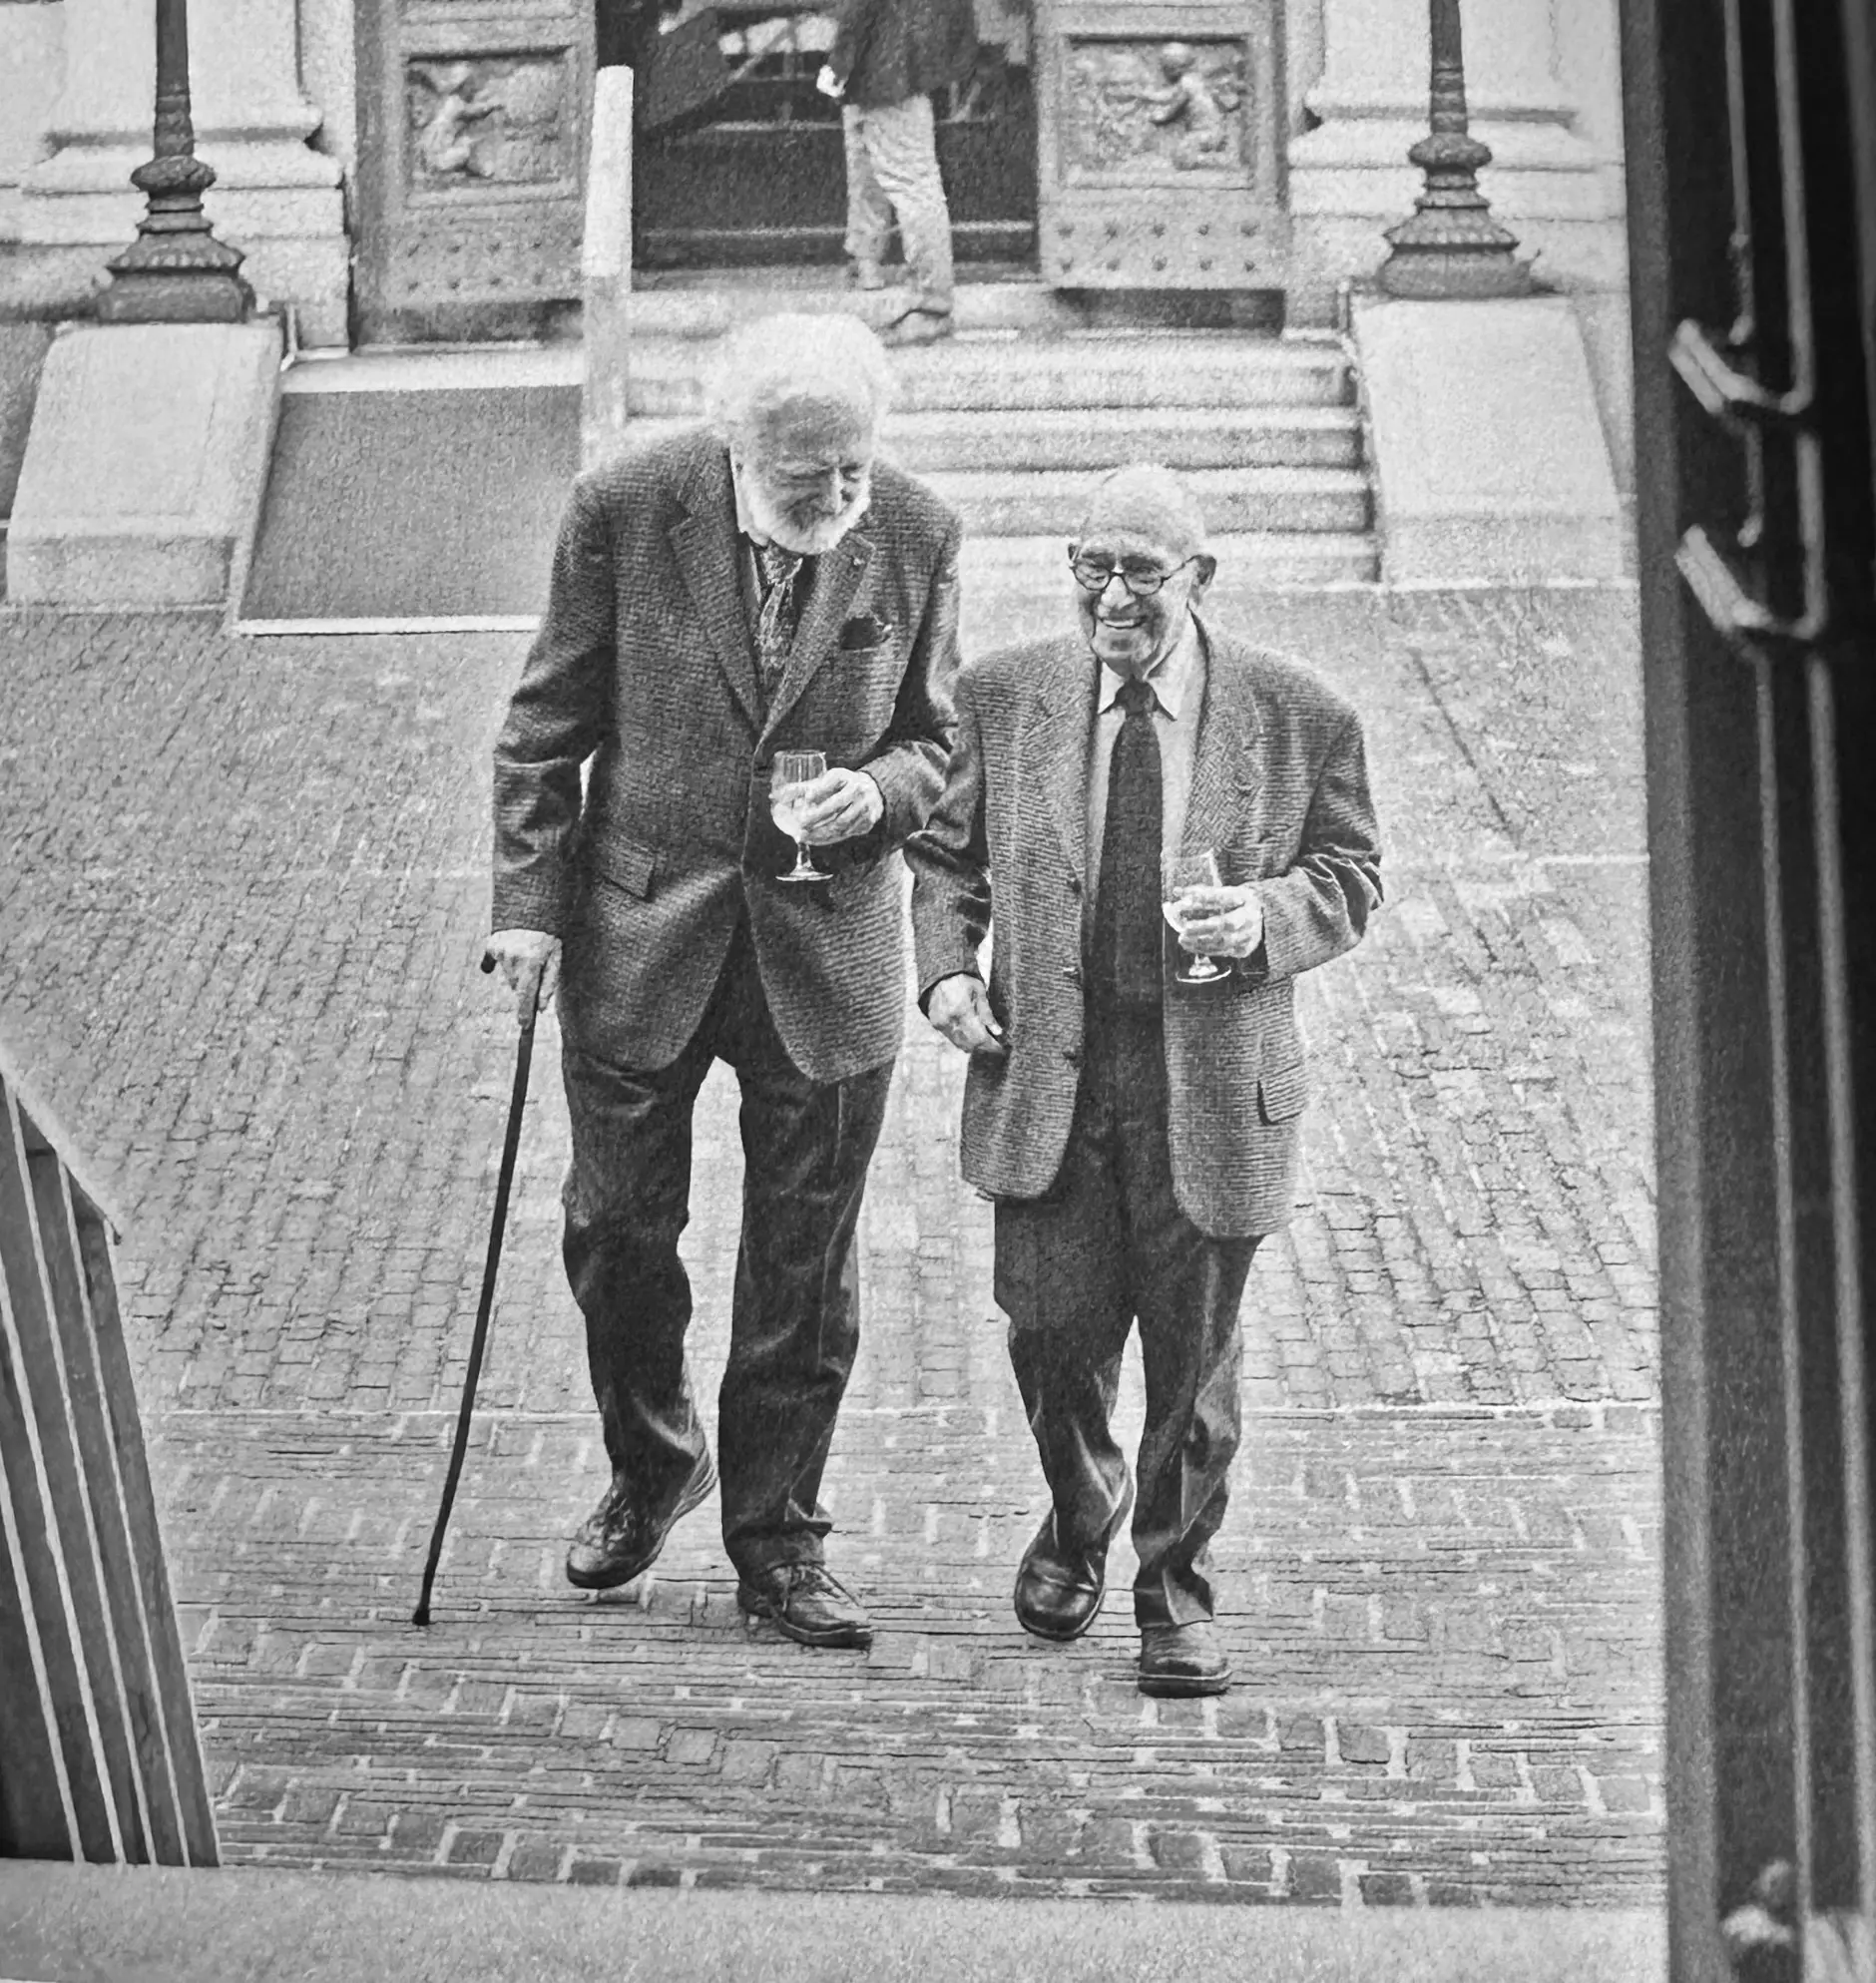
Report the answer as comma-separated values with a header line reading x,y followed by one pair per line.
x,y
865,631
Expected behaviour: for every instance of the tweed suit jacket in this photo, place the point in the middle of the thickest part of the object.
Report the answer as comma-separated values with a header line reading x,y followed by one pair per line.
x,y
1279,790
645,666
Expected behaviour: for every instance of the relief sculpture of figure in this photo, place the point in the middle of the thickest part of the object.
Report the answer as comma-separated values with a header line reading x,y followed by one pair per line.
x,y
447,143
1195,101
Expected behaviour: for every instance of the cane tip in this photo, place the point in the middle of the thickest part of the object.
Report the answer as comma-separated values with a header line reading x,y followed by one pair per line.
x,y
421,1616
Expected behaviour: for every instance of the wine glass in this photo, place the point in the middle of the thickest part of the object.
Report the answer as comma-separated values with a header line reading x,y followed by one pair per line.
x,y
795,771
1181,874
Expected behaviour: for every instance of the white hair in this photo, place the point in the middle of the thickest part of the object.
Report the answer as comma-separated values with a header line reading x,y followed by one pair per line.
x,y
766,364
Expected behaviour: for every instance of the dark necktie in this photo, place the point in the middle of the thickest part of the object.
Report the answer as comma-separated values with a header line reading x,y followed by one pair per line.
x,y
774,624
1126,945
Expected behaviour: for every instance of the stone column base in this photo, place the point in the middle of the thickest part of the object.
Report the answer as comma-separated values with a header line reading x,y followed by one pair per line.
x,y
145,466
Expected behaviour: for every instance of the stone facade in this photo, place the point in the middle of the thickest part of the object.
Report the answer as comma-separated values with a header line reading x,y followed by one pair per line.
x,y
277,94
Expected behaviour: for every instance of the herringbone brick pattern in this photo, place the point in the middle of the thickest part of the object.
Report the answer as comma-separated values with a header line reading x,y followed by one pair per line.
x,y
238,922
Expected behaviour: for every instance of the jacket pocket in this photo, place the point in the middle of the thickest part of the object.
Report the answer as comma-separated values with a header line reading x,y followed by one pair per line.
x,y
1283,1091
626,865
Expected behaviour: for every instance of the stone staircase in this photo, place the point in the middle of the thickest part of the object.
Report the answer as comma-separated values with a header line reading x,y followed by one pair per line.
x,y
1012,419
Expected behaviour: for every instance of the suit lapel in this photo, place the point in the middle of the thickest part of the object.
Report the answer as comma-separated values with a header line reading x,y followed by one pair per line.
x,y
703,541
1054,748
837,576
1225,764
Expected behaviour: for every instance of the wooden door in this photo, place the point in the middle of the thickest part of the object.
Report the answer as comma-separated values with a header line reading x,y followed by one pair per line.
x,y
473,122
1159,154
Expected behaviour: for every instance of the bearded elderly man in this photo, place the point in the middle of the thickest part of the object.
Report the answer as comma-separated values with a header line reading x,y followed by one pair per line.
x,y
754,587
1137,1133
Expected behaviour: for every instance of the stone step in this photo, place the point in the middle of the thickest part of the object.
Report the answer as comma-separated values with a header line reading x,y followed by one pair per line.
x,y
1088,441
1077,372
704,303
1248,562
1044,502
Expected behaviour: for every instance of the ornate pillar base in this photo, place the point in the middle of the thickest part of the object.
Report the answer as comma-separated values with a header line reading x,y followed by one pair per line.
x,y
274,198
1553,181
1452,248
176,271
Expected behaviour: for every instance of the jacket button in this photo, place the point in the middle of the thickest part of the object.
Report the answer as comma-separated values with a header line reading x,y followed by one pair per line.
x,y
1073,1055
1072,972
1075,884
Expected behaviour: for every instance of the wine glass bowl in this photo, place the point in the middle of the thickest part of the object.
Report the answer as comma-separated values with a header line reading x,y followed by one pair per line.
x,y
1181,875
793,773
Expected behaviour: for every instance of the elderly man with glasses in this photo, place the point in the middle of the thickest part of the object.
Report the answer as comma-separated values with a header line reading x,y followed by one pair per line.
x,y
1137,1129
749,625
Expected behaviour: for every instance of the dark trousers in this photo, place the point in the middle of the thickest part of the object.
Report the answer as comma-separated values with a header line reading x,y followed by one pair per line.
x,y
794,1318
1075,1269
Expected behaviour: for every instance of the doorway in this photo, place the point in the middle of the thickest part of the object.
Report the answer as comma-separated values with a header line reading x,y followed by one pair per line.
x,y
756,177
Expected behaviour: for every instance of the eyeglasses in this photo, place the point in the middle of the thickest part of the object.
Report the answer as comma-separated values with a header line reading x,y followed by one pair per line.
x,y
1141,581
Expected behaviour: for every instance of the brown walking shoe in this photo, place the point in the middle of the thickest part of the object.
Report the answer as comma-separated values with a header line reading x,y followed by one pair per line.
x,y
918,327
1179,1660
1059,1591
808,1602
620,1540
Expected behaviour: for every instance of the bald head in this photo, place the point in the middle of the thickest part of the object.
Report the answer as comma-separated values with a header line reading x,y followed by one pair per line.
x,y
1140,566
1145,500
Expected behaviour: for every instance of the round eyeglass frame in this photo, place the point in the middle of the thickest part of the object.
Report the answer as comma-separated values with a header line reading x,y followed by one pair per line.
x,y
1142,586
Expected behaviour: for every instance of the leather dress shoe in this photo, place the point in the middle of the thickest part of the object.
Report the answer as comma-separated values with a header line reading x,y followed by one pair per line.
x,y
1059,1592
1183,1659
621,1539
808,1602
918,327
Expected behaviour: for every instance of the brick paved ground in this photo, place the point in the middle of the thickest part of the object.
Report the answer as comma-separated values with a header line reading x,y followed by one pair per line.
x,y
237,927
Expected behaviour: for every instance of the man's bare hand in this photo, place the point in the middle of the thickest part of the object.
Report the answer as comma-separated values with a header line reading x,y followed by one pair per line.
x,y
530,961
959,1007
841,805
1226,922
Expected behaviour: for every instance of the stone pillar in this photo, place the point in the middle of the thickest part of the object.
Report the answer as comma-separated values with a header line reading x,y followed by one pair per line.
x,y
274,198
31,63
1553,184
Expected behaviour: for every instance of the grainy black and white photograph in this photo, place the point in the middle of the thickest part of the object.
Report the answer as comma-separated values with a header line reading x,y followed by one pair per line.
x,y
937,990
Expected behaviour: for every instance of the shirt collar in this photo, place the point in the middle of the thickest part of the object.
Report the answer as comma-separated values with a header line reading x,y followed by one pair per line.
x,y
746,523
1170,678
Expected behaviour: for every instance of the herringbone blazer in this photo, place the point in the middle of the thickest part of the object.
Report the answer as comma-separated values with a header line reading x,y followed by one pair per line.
x,y
645,666
1279,790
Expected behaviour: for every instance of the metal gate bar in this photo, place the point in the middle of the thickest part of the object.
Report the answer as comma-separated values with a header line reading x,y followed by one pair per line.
x,y
99,1758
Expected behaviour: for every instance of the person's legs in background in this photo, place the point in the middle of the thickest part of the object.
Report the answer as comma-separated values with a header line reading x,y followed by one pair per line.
x,y
870,212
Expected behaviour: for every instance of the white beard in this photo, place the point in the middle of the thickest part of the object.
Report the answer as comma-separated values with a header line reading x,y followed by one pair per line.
x,y
817,538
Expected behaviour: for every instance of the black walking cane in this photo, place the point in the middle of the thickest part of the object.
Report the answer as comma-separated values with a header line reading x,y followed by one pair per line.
x,y
524,1054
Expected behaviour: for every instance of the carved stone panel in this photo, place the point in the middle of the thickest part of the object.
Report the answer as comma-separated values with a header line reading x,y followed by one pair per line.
x,y
1170,107
1159,145
499,120
472,163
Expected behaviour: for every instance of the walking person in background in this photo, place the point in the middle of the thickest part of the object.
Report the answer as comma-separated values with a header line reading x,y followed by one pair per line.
x,y
889,59
722,606
1136,1131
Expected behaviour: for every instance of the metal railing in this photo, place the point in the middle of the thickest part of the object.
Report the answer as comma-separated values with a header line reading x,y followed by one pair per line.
x,y
98,1756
